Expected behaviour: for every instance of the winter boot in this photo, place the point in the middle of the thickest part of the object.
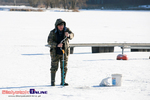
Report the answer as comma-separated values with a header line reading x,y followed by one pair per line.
x,y
53,79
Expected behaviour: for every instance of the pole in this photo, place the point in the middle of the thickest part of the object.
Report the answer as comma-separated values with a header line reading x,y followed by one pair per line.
x,y
15,2
122,50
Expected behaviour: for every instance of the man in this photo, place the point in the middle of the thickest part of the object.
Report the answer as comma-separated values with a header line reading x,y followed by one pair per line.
x,y
54,39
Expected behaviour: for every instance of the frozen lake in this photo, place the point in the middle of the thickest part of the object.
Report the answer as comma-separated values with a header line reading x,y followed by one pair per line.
x,y
88,26
25,61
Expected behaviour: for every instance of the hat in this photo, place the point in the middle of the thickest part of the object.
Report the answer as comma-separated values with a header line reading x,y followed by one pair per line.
x,y
62,23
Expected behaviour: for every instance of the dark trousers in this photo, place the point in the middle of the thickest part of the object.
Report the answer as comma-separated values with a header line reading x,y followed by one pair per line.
x,y
55,61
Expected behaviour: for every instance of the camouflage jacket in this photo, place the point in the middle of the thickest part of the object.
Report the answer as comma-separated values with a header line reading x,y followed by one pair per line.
x,y
52,38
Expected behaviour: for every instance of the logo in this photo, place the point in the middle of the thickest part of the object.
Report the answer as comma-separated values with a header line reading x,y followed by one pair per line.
x,y
32,91
14,92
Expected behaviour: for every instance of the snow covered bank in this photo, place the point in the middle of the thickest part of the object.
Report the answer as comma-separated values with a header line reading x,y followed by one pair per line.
x,y
19,8
29,8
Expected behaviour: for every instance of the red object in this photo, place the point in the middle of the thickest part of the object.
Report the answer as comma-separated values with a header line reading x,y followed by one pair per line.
x,y
122,57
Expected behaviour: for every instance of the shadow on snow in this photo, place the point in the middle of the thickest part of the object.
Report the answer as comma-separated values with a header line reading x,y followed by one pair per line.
x,y
101,60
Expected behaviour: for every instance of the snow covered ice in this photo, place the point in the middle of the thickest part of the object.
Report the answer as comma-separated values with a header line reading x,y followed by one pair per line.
x,y
25,61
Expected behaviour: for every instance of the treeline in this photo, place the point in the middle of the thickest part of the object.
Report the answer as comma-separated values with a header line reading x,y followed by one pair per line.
x,y
66,4
129,2
73,4
116,3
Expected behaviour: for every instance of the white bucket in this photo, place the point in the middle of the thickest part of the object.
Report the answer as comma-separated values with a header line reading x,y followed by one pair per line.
x,y
116,79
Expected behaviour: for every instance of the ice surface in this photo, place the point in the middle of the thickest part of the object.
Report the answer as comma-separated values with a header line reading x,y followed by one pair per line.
x,y
25,61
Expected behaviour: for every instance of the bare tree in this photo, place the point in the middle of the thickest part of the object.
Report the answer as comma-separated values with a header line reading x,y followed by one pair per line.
x,y
80,3
33,3
75,2
15,2
46,3
52,4
57,3
65,4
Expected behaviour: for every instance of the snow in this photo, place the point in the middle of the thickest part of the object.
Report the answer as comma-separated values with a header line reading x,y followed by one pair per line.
x,y
25,61
7,8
